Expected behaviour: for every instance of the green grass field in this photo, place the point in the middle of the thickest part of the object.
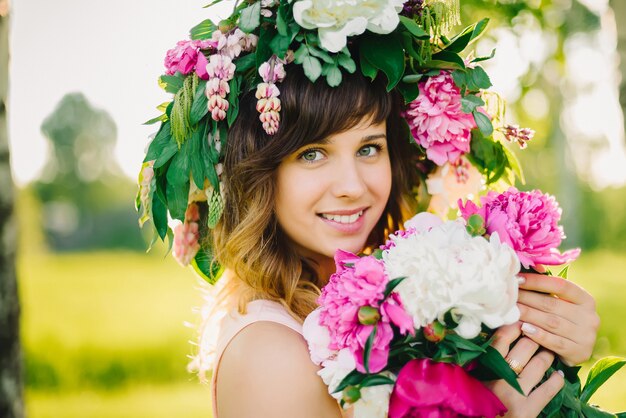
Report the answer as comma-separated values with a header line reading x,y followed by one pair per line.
x,y
104,333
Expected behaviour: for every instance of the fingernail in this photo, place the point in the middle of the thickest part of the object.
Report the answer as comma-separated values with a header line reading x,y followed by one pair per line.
x,y
521,279
561,373
528,329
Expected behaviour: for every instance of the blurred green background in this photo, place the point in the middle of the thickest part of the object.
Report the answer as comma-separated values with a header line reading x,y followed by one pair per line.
x,y
103,323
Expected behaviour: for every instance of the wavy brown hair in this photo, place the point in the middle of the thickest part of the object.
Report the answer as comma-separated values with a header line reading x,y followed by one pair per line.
x,y
248,239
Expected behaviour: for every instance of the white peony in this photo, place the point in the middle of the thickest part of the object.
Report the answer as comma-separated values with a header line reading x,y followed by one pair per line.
x,y
374,402
335,369
317,337
335,20
447,268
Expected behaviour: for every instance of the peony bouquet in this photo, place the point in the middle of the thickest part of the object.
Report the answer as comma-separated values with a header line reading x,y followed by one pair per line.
x,y
406,331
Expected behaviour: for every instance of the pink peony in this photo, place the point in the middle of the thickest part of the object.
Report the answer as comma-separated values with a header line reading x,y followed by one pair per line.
x,y
186,57
526,221
428,389
360,282
437,121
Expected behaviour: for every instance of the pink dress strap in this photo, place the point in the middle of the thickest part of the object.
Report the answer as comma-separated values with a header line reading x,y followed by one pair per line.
x,y
234,322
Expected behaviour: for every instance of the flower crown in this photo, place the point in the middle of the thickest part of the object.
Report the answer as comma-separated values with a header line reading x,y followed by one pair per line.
x,y
456,124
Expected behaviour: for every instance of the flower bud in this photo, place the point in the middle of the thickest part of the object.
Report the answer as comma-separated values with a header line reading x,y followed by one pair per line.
x,y
351,394
434,332
476,225
368,315
225,26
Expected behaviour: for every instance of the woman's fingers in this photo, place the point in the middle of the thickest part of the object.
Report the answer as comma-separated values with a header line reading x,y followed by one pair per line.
x,y
549,304
535,370
505,336
521,353
564,289
543,394
571,352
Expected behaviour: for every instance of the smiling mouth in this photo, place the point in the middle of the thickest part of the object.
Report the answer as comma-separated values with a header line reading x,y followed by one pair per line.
x,y
343,219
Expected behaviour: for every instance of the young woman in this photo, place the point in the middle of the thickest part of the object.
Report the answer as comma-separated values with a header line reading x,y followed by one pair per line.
x,y
339,174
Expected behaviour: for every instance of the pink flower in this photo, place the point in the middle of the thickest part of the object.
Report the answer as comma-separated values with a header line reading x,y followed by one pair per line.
x,y
437,121
186,57
359,283
430,389
272,74
451,182
268,105
526,221
221,67
186,236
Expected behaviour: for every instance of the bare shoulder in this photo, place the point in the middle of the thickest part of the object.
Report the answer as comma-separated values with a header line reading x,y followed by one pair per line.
x,y
266,371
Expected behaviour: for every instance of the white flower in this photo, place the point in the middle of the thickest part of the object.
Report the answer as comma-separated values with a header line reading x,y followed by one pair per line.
x,y
374,402
335,20
335,369
447,268
318,338
449,183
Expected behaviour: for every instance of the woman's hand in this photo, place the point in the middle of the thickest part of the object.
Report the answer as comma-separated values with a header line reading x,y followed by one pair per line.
x,y
558,315
531,366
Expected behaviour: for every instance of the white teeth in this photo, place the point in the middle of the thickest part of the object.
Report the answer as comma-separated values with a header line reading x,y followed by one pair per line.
x,y
343,219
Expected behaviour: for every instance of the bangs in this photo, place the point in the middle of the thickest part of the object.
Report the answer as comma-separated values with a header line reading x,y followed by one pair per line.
x,y
311,112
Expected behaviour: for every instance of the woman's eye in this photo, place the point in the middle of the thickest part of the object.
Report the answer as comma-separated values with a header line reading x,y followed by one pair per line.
x,y
311,155
369,151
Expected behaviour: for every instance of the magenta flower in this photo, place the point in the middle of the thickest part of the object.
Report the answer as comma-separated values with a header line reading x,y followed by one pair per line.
x,y
360,283
526,221
428,389
187,236
437,121
187,56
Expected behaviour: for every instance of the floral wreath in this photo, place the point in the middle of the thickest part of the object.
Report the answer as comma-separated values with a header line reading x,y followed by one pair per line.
x,y
457,124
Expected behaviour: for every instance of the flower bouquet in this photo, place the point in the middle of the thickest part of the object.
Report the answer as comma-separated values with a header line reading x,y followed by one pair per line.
x,y
406,331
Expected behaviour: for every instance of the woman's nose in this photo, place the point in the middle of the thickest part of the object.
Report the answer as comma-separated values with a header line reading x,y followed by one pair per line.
x,y
348,181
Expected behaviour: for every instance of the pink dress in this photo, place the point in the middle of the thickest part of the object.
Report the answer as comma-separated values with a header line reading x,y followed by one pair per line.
x,y
232,324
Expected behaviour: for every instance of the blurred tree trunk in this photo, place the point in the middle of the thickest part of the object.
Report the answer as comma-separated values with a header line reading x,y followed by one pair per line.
x,y
619,9
11,404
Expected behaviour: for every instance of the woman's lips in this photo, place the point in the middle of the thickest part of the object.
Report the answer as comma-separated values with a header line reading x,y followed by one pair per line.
x,y
346,221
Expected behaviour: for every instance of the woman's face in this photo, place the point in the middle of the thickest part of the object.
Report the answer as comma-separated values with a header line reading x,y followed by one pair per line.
x,y
331,194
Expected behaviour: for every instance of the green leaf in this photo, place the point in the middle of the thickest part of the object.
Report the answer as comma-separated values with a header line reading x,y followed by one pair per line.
x,y
312,67
494,361
483,123
281,21
391,285
203,30
592,411
263,50
244,63
479,78
206,267
414,28
470,102
280,45
333,75
600,373
323,55
442,65
178,171
250,17
485,58
160,118
352,379
448,56
159,216
367,69
195,158
213,3
233,100
386,54
199,106
514,164
160,141
347,63
467,36
300,54
412,78
409,91
177,196
462,343
376,380
367,350
171,83
563,273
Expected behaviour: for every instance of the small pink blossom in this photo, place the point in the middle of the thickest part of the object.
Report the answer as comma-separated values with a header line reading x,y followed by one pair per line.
x,y
217,107
221,67
437,121
216,86
427,389
268,105
527,221
360,282
186,236
272,72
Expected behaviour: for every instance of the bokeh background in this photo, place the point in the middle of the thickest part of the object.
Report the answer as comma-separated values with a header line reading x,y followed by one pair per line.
x,y
105,327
